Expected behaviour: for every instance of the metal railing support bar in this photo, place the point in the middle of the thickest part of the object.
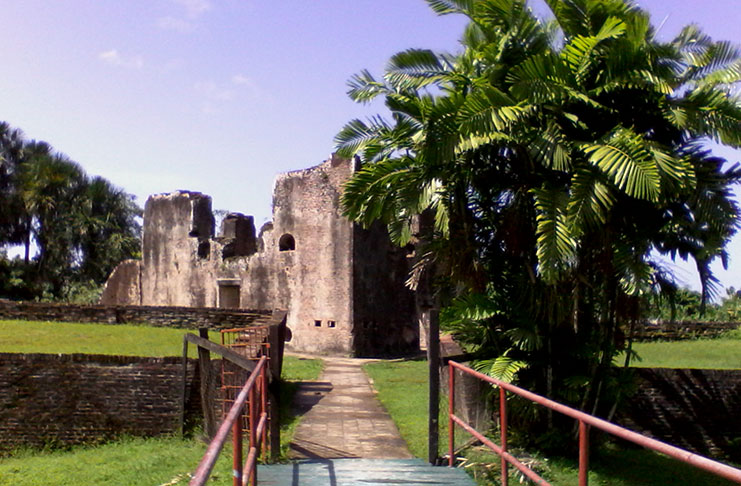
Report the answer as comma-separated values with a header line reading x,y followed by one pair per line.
x,y
451,409
506,455
583,453
700,462
214,448
249,464
264,412
237,453
503,433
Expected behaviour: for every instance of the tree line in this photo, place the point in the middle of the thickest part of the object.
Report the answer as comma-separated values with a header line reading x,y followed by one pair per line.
x,y
73,228
550,162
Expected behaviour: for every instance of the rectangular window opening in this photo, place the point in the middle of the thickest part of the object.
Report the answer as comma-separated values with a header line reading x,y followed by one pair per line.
x,y
331,324
317,323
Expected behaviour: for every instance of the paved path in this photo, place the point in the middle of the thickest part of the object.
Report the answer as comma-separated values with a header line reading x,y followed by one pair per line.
x,y
342,418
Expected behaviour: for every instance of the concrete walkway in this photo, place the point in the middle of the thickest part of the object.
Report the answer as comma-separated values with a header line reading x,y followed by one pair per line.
x,y
342,418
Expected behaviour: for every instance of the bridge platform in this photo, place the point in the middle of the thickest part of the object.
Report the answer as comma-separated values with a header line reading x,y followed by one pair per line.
x,y
361,472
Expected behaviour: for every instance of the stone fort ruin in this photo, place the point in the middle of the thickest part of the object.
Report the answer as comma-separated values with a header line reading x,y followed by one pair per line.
x,y
342,285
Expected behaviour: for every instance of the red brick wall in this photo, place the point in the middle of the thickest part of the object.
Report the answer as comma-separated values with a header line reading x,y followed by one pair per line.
x,y
69,399
699,410
162,316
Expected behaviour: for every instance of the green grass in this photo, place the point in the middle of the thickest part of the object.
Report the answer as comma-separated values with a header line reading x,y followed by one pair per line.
x,y
402,389
294,371
720,353
89,338
300,369
129,462
145,462
609,466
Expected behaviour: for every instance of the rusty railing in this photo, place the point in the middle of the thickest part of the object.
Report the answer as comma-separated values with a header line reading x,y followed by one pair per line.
x,y
242,473
585,422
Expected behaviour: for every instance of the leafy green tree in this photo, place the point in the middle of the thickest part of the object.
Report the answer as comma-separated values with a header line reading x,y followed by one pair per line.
x,y
11,220
557,158
81,226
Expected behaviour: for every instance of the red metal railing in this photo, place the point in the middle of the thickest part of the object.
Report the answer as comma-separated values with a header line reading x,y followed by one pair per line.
x,y
258,417
585,422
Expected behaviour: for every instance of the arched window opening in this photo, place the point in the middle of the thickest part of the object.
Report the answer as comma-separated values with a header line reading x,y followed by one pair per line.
x,y
286,243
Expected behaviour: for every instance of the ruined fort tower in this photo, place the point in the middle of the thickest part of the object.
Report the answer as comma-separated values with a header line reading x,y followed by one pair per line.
x,y
343,286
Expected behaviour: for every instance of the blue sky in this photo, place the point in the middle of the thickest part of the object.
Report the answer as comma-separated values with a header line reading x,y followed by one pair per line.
x,y
220,95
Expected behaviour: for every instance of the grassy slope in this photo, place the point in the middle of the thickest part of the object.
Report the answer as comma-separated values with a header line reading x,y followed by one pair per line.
x,y
130,462
88,338
136,461
720,353
133,461
402,388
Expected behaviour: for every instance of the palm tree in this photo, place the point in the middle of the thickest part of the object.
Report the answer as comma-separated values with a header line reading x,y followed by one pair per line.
x,y
11,150
107,231
558,159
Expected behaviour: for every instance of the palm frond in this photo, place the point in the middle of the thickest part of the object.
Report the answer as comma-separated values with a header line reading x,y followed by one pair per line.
x,y
363,87
413,69
590,202
556,245
444,7
503,368
625,158
356,135
488,110
551,148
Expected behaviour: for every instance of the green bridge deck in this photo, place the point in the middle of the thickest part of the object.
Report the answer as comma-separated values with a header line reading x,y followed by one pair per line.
x,y
361,472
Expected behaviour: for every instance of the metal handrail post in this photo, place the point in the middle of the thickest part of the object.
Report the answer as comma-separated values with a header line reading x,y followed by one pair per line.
x,y
263,410
586,422
503,433
451,411
253,435
214,448
583,453
237,453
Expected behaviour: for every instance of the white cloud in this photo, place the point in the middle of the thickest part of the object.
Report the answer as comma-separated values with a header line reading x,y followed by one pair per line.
x,y
238,88
184,22
173,23
114,58
194,8
173,65
241,80
214,92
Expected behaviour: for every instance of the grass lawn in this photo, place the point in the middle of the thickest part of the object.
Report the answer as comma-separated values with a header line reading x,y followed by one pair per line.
x,y
719,353
90,338
402,388
130,461
143,462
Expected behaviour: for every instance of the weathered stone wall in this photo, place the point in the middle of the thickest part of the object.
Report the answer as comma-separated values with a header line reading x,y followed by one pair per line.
x,y
696,410
383,313
123,286
178,317
343,286
70,399
176,243
316,276
474,398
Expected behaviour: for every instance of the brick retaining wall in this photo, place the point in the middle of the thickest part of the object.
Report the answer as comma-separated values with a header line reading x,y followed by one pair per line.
x,y
698,410
180,317
680,330
48,399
